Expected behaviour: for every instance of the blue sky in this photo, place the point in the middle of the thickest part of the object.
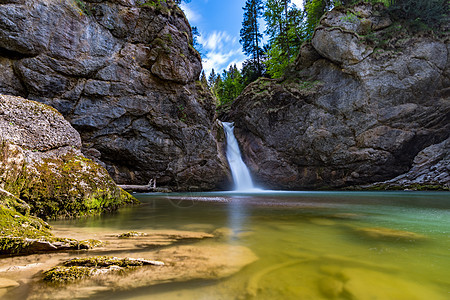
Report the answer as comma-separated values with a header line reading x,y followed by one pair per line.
x,y
219,23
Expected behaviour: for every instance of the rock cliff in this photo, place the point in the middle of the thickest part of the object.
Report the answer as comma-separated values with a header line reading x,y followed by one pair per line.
x,y
124,74
364,98
41,163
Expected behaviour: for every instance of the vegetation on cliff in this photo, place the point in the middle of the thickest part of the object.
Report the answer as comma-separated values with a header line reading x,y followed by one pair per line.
x,y
361,101
288,27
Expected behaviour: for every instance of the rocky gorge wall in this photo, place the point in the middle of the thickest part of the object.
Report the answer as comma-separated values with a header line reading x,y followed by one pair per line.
x,y
364,98
124,74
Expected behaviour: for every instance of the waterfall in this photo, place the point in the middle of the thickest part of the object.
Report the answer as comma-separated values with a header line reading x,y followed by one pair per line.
x,y
241,175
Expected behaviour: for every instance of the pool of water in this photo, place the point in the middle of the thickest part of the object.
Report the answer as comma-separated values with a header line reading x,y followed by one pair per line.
x,y
310,245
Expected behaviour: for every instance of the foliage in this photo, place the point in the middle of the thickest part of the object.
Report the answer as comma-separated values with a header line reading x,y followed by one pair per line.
x,y
283,25
231,85
430,12
350,17
250,34
195,35
277,62
314,11
250,70
83,8
287,27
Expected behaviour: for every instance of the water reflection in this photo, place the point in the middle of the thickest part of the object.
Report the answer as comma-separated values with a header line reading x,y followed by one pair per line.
x,y
238,214
311,245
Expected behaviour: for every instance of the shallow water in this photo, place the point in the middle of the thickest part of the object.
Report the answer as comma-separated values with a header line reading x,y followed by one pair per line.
x,y
311,245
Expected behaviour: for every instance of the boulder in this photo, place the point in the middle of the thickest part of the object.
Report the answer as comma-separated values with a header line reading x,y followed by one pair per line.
x,y
346,115
41,163
124,74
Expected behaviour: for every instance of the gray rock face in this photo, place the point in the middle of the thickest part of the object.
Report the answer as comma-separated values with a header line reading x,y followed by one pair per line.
x,y
41,163
345,118
124,74
431,168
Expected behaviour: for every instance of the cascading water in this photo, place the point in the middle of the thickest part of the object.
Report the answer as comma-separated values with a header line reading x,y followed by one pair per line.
x,y
241,176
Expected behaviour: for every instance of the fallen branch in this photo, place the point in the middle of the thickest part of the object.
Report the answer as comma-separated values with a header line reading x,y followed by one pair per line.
x,y
151,186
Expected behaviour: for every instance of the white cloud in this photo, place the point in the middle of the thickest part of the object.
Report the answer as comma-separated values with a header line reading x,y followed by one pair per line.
x,y
191,15
222,60
216,40
298,3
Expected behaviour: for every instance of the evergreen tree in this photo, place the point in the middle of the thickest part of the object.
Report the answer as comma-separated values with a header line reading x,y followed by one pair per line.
x,y
212,79
229,85
276,17
283,25
203,79
250,33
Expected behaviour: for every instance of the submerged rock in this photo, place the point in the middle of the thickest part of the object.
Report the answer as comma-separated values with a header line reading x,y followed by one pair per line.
x,y
390,234
125,74
363,99
90,276
366,284
82,268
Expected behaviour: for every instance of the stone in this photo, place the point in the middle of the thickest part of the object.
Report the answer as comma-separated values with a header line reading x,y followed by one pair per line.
x,y
390,234
339,46
8,283
331,287
184,263
125,75
58,180
366,284
430,170
345,116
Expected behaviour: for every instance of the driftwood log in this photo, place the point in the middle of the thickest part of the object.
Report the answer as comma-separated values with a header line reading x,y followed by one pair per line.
x,y
150,187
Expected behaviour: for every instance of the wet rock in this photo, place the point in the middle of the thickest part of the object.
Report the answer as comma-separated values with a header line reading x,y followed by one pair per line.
x,y
130,234
181,264
8,283
365,284
331,287
41,163
390,234
83,268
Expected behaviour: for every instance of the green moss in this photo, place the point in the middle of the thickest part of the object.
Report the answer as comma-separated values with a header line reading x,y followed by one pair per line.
x,y
159,5
69,186
65,274
14,224
11,245
16,228
103,262
82,268
130,234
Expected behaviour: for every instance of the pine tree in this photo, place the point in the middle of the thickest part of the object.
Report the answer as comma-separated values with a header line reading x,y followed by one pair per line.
x,y
283,25
250,33
203,79
276,17
212,79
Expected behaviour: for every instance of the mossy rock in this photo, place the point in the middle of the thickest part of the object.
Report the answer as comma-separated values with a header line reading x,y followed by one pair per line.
x,y
87,267
63,185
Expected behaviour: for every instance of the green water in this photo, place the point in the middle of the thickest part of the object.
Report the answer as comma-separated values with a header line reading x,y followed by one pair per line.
x,y
311,245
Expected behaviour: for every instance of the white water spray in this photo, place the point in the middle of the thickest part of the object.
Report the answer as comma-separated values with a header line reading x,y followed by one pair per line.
x,y
241,176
